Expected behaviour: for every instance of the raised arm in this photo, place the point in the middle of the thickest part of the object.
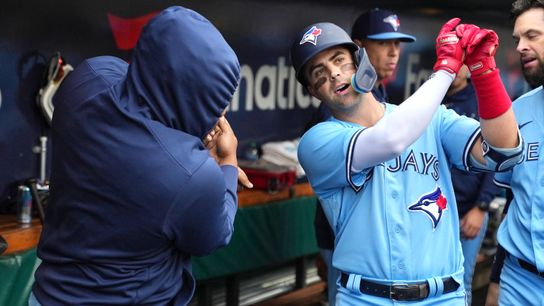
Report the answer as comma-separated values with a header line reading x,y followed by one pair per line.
x,y
213,197
410,119
502,145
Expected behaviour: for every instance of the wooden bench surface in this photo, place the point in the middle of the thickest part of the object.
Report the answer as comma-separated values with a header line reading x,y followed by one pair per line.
x,y
22,237
250,197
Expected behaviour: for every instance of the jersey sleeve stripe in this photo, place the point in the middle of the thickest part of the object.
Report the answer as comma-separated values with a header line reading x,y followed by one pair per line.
x,y
468,147
501,184
349,161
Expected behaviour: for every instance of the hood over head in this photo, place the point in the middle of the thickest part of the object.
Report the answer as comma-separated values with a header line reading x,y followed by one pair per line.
x,y
183,73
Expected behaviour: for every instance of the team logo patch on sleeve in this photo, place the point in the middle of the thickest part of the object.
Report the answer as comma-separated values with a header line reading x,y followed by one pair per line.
x,y
311,36
432,204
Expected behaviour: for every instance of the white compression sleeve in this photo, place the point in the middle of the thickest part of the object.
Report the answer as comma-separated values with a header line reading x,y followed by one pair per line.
x,y
403,126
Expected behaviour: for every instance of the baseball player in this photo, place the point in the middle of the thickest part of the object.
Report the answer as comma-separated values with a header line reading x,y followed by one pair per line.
x,y
521,233
379,32
382,171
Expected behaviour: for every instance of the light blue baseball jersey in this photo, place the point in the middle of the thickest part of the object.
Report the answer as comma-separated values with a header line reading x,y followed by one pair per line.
x,y
522,231
397,220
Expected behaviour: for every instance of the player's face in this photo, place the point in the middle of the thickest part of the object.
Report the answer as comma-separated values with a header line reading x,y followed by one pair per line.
x,y
383,54
328,74
529,39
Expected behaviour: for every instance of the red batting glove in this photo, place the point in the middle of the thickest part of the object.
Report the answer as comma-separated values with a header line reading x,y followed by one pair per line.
x,y
467,33
481,49
449,52
493,99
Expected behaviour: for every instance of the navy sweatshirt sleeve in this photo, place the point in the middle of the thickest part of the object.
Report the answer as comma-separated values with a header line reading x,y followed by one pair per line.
x,y
202,217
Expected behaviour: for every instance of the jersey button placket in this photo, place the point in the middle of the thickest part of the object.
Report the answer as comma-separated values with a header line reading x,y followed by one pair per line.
x,y
395,216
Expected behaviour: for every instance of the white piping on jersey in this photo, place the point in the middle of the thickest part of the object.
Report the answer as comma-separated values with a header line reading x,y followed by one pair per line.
x,y
469,145
349,160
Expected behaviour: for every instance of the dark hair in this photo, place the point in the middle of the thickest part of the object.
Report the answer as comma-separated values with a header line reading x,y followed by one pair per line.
x,y
521,6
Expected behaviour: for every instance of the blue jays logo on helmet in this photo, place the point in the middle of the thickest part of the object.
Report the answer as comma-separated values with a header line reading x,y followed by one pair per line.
x,y
316,38
432,204
311,35
393,20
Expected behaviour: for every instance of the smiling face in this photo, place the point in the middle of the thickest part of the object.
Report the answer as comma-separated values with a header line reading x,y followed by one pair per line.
x,y
528,36
328,75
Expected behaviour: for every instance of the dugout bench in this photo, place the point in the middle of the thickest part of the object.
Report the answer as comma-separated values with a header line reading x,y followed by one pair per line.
x,y
270,229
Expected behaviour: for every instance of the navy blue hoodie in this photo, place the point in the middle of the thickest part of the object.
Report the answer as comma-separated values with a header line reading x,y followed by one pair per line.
x,y
134,192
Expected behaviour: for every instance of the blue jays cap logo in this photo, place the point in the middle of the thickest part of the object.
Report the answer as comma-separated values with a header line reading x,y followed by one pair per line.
x,y
311,36
432,204
393,20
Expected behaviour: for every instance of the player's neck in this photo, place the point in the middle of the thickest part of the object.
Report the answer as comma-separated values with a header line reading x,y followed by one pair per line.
x,y
367,113
372,111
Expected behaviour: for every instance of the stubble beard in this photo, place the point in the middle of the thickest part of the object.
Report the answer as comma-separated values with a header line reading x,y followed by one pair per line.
x,y
535,77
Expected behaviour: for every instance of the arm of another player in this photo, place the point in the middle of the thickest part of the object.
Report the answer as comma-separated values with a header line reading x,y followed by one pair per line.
x,y
492,298
502,145
472,222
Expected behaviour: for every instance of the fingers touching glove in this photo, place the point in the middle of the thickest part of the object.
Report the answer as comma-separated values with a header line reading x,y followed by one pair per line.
x,y
480,51
449,50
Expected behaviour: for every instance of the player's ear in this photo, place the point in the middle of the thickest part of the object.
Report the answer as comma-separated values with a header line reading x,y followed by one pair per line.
x,y
358,42
311,90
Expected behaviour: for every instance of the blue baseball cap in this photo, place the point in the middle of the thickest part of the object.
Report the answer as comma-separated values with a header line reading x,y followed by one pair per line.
x,y
379,24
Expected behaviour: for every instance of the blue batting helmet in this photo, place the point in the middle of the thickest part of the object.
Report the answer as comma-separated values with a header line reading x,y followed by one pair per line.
x,y
314,39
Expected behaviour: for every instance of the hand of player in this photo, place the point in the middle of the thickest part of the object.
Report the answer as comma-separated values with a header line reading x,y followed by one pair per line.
x,y
210,140
449,51
222,143
243,179
480,52
467,34
471,223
